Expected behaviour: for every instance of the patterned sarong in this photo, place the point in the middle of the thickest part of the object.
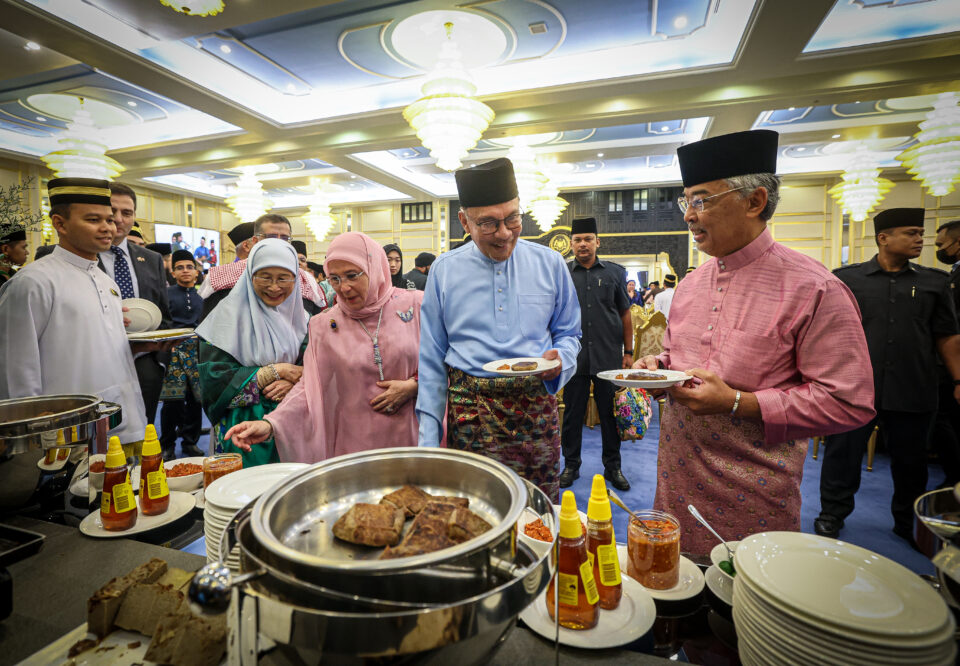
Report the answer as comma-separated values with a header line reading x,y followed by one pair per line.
x,y
182,371
510,419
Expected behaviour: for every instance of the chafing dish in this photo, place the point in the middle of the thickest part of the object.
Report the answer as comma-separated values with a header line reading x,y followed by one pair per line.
x,y
302,598
33,423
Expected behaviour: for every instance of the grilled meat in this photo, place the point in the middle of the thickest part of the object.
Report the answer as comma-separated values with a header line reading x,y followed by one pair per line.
x,y
370,525
464,524
410,499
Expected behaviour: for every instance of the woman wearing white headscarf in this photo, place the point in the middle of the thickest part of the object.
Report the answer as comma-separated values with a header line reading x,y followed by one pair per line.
x,y
251,347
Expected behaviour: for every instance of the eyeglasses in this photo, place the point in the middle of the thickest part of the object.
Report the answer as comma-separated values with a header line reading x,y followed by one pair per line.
x,y
697,202
489,225
266,280
349,278
283,237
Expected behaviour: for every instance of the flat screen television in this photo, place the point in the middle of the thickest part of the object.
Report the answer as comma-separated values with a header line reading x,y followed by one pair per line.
x,y
203,243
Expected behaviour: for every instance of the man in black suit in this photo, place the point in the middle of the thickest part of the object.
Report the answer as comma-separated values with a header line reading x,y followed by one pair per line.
x,y
945,436
139,273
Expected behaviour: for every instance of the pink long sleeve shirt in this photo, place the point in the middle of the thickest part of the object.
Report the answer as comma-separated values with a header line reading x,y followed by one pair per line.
x,y
774,322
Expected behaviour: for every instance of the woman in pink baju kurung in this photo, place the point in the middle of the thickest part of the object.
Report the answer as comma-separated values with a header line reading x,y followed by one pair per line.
x,y
341,405
770,321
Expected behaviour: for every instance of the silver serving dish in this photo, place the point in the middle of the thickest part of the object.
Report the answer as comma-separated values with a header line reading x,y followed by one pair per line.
x,y
939,511
33,423
292,524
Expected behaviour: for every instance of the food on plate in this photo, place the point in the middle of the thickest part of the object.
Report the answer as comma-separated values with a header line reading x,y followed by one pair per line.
x,y
653,560
410,499
97,466
103,606
370,524
464,524
428,533
726,566
505,366
189,640
151,600
184,469
537,530
459,501
524,366
642,376
144,605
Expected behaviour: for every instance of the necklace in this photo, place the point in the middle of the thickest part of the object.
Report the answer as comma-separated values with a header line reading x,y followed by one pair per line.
x,y
375,339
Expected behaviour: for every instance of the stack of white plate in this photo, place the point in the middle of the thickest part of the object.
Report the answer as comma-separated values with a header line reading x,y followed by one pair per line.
x,y
229,494
802,598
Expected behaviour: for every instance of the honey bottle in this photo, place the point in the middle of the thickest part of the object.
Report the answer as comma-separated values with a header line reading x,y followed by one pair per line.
x,y
154,493
602,546
118,508
577,589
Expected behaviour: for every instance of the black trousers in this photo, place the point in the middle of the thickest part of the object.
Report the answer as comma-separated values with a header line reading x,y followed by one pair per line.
x,y
576,392
906,435
180,419
945,437
150,376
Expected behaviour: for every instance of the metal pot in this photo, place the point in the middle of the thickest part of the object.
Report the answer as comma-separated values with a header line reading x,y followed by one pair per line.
x,y
33,423
291,524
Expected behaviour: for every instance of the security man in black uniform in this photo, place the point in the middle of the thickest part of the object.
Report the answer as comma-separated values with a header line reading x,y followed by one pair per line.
x,y
945,439
908,316
607,344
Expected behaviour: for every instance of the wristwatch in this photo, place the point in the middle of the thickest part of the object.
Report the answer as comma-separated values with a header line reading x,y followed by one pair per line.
x,y
630,351
956,382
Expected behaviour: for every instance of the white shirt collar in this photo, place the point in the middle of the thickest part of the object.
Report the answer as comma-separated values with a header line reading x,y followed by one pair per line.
x,y
73,259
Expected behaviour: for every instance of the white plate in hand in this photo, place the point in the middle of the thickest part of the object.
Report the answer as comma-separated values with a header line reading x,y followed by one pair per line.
x,y
670,377
542,366
166,335
624,624
143,315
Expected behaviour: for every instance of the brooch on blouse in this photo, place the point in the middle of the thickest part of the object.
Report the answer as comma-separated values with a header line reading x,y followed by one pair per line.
x,y
114,292
140,259
405,316
333,324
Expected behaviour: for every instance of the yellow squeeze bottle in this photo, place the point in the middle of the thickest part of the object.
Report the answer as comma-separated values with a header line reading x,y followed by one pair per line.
x,y
578,590
602,546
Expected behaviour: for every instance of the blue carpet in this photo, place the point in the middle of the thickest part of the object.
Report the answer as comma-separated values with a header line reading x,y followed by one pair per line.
x,y
868,526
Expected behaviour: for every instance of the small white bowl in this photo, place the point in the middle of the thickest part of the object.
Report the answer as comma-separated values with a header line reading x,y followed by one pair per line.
x,y
188,483
539,547
96,478
719,554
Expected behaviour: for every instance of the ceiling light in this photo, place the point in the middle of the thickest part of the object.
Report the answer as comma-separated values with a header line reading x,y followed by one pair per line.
x,y
225,48
132,104
82,151
680,22
318,218
862,188
291,87
41,119
547,207
352,177
835,136
447,119
589,165
195,7
792,108
31,46
599,154
935,159
665,128
800,149
248,201
528,176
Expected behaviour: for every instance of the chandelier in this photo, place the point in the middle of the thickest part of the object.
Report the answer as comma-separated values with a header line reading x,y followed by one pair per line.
x,y
447,120
248,201
935,160
82,151
862,188
195,7
318,218
546,207
530,180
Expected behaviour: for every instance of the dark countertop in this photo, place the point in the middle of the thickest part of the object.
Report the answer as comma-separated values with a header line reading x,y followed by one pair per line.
x,y
50,590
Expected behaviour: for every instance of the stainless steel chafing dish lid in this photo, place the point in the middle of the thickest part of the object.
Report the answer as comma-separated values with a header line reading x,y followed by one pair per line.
x,y
22,427
291,502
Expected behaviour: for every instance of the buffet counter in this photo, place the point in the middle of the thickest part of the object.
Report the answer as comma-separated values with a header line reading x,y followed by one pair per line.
x,y
51,588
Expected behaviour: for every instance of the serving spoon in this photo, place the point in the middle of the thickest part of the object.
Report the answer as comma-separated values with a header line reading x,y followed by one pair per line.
x,y
619,502
700,519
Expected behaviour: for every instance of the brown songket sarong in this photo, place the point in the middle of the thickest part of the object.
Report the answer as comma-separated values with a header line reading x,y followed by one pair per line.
x,y
510,419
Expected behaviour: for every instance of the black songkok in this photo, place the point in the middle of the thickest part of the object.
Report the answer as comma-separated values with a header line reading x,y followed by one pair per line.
x,y
728,155
299,246
161,248
78,190
487,184
180,255
898,217
585,225
240,233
